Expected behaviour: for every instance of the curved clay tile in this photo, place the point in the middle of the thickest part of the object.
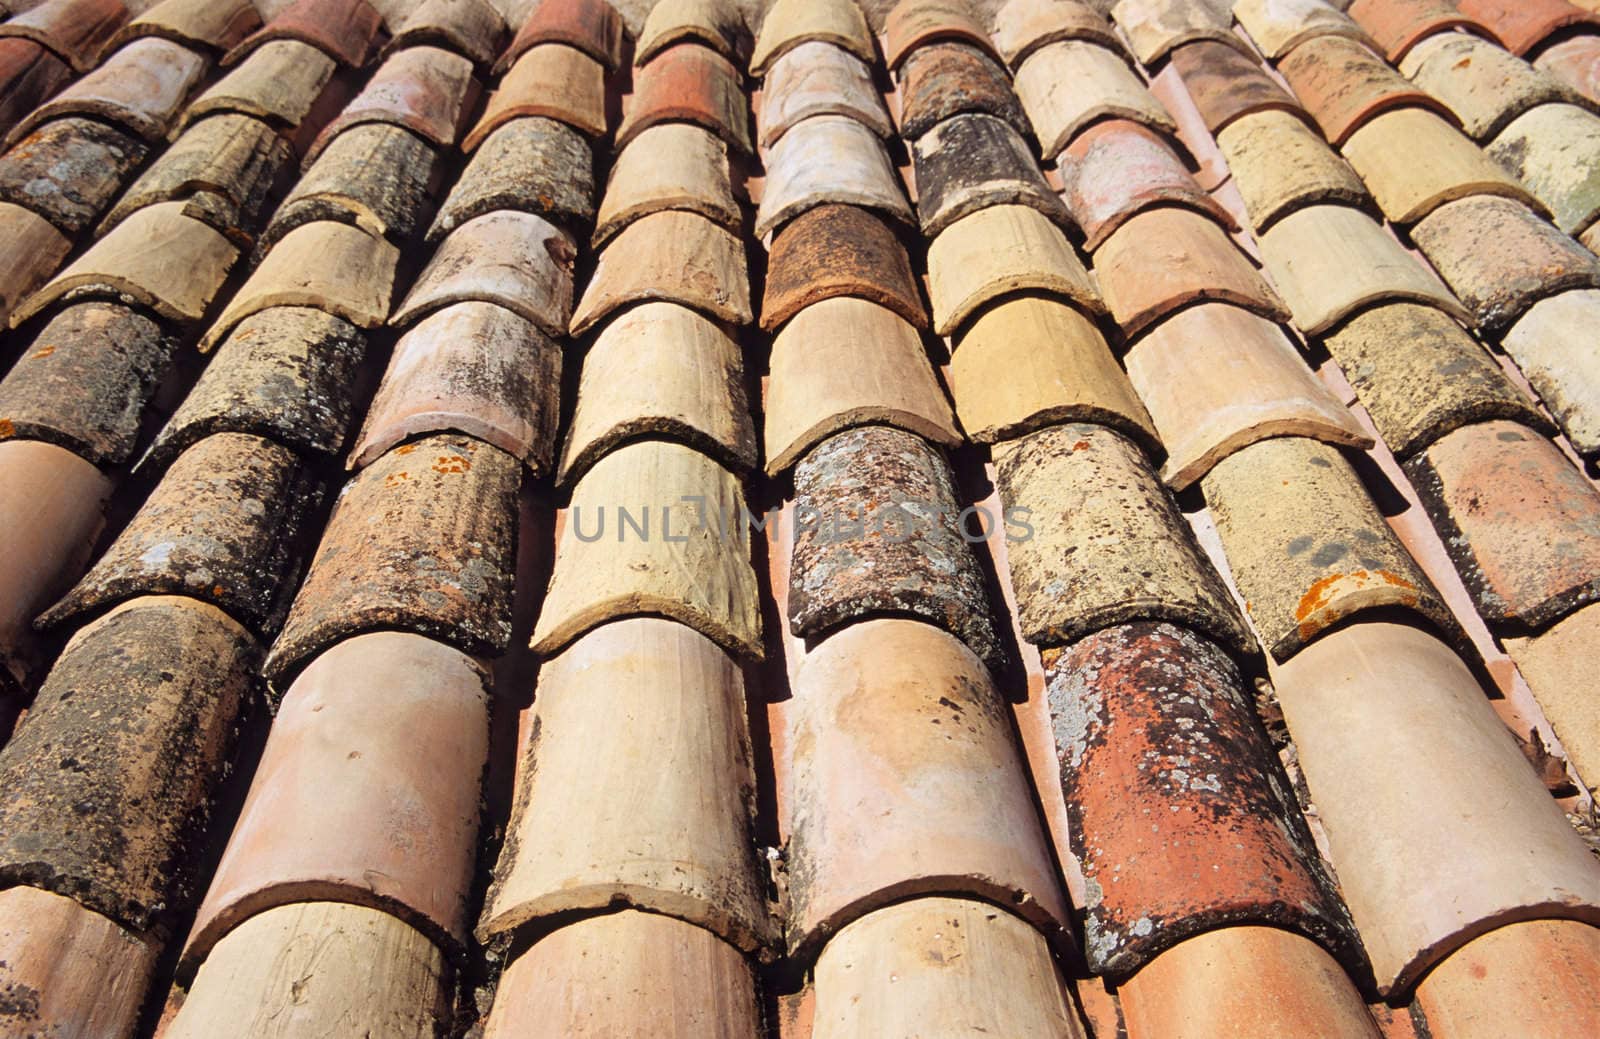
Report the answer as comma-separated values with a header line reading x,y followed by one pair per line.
x,y
1399,25
664,371
999,250
1183,819
348,31
1109,544
903,779
717,24
474,368
378,177
554,81
674,256
531,165
1559,666
591,26
1023,26
1535,973
289,84
1068,85
28,74
1343,85
789,23
917,23
817,78
1217,378
142,87
1226,84
670,166
213,25
1280,165
1522,25
1278,26
1488,846
470,28
828,158
36,249
821,381
76,30
520,261
1553,150
1574,61
1156,27
616,697
1551,346
69,170
831,251
691,566
343,810
948,79
691,84
424,89
973,161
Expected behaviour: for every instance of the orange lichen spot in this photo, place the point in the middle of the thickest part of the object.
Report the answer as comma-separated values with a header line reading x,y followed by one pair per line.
x,y
7,428
45,351
1317,598
396,479
451,464
405,449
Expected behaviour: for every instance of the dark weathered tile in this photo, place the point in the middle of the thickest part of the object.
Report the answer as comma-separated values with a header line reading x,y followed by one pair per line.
x,y
346,30
973,161
518,260
691,84
532,165
835,250
378,177
74,29
877,533
85,381
947,79
1226,84
69,170
28,74
1343,84
36,249
471,28
591,26
427,90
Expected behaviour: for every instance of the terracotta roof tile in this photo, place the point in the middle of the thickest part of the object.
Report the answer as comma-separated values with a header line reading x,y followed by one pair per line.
x,y
908,559
717,24
378,177
1117,169
816,78
283,373
85,381
343,810
788,23
905,780
28,74
140,88
517,260
145,702
1559,666
1441,381
822,381
54,509
700,576
178,281
693,84
615,698
1574,61
1066,86
1397,26
1521,522
1155,27
591,26
471,28
1030,362
1227,84
554,81
1484,86
237,158
447,498
834,250
626,971
966,964
1343,85
999,250
1108,546
1414,162
322,966
1164,259
917,23
660,371
67,969
1534,973
290,84
1307,546
474,368
974,161
531,165
424,89
1424,874
1023,26
205,24
1278,26
673,166
1524,24
1554,149
36,248
1330,262
947,79
69,169
348,31
333,267
674,256
74,29
828,158
1217,378
1550,344
1142,712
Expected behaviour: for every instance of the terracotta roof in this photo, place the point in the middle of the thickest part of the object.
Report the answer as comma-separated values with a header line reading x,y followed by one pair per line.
x,y
799,520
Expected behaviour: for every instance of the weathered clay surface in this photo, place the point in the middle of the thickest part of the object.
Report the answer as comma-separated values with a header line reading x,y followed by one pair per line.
x,y
1118,168
670,166
237,157
591,26
74,29
1520,521
1523,24
1156,27
1227,84
1066,86
1500,259
946,79
674,256
817,78
1023,26
1554,149
216,26
345,30
378,177
1397,26
1483,85
836,250
789,23
971,162
999,250
1343,85
423,540
284,374
424,89
1180,813
140,89
642,689
1280,165
1553,347
1573,61
289,84
35,248
914,24
714,23
69,169
878,532
1109,545
471,28
1441,380
107,787
904,779
553,81
1278,26
1307,547
1560,668
828,158
660,371
532,165
85,381
28,74
693,84
1534,972
821,381
474,368
222,526
518,260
